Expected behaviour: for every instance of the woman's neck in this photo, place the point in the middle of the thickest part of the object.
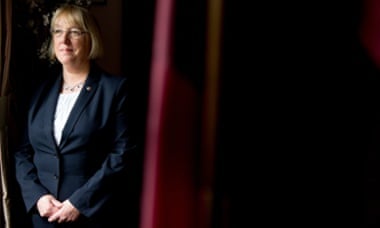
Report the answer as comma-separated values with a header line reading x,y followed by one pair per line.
x,y
72,75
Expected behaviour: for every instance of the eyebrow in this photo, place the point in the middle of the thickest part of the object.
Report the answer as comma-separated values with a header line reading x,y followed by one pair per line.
x,y
72,27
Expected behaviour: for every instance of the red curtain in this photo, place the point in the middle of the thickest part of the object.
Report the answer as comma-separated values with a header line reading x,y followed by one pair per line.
x,y
182,111
370,28
168,192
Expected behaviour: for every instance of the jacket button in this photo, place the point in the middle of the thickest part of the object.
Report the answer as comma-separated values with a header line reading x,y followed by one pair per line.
x,y
55,177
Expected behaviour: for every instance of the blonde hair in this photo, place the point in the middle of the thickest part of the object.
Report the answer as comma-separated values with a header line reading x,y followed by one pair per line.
x,y
82,18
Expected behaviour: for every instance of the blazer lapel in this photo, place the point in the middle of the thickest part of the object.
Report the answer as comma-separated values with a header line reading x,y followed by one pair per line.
x,y
84,98
43,109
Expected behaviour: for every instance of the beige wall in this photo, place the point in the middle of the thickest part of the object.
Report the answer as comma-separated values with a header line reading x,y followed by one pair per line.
x,y
109,18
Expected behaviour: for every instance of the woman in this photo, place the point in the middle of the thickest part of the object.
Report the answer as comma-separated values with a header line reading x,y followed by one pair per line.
x,y
76,141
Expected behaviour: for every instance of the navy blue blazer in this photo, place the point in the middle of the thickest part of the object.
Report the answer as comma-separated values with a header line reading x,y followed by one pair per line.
x,y
95,144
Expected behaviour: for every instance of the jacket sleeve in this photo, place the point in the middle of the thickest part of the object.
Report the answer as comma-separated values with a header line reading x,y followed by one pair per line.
x,y
26,173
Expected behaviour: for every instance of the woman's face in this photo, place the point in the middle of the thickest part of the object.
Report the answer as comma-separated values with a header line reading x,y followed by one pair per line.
x,y
71,43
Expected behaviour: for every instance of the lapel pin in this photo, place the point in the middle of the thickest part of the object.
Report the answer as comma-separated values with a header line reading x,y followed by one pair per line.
x,y
88,88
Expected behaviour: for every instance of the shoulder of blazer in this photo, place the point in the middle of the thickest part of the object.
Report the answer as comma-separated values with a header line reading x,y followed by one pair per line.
x,y
99,74
44,87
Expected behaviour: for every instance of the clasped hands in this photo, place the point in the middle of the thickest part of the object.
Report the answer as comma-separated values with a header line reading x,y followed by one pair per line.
x,y
48,206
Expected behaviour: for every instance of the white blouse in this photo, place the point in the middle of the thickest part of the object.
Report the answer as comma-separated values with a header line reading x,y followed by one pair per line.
x,y
65,104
